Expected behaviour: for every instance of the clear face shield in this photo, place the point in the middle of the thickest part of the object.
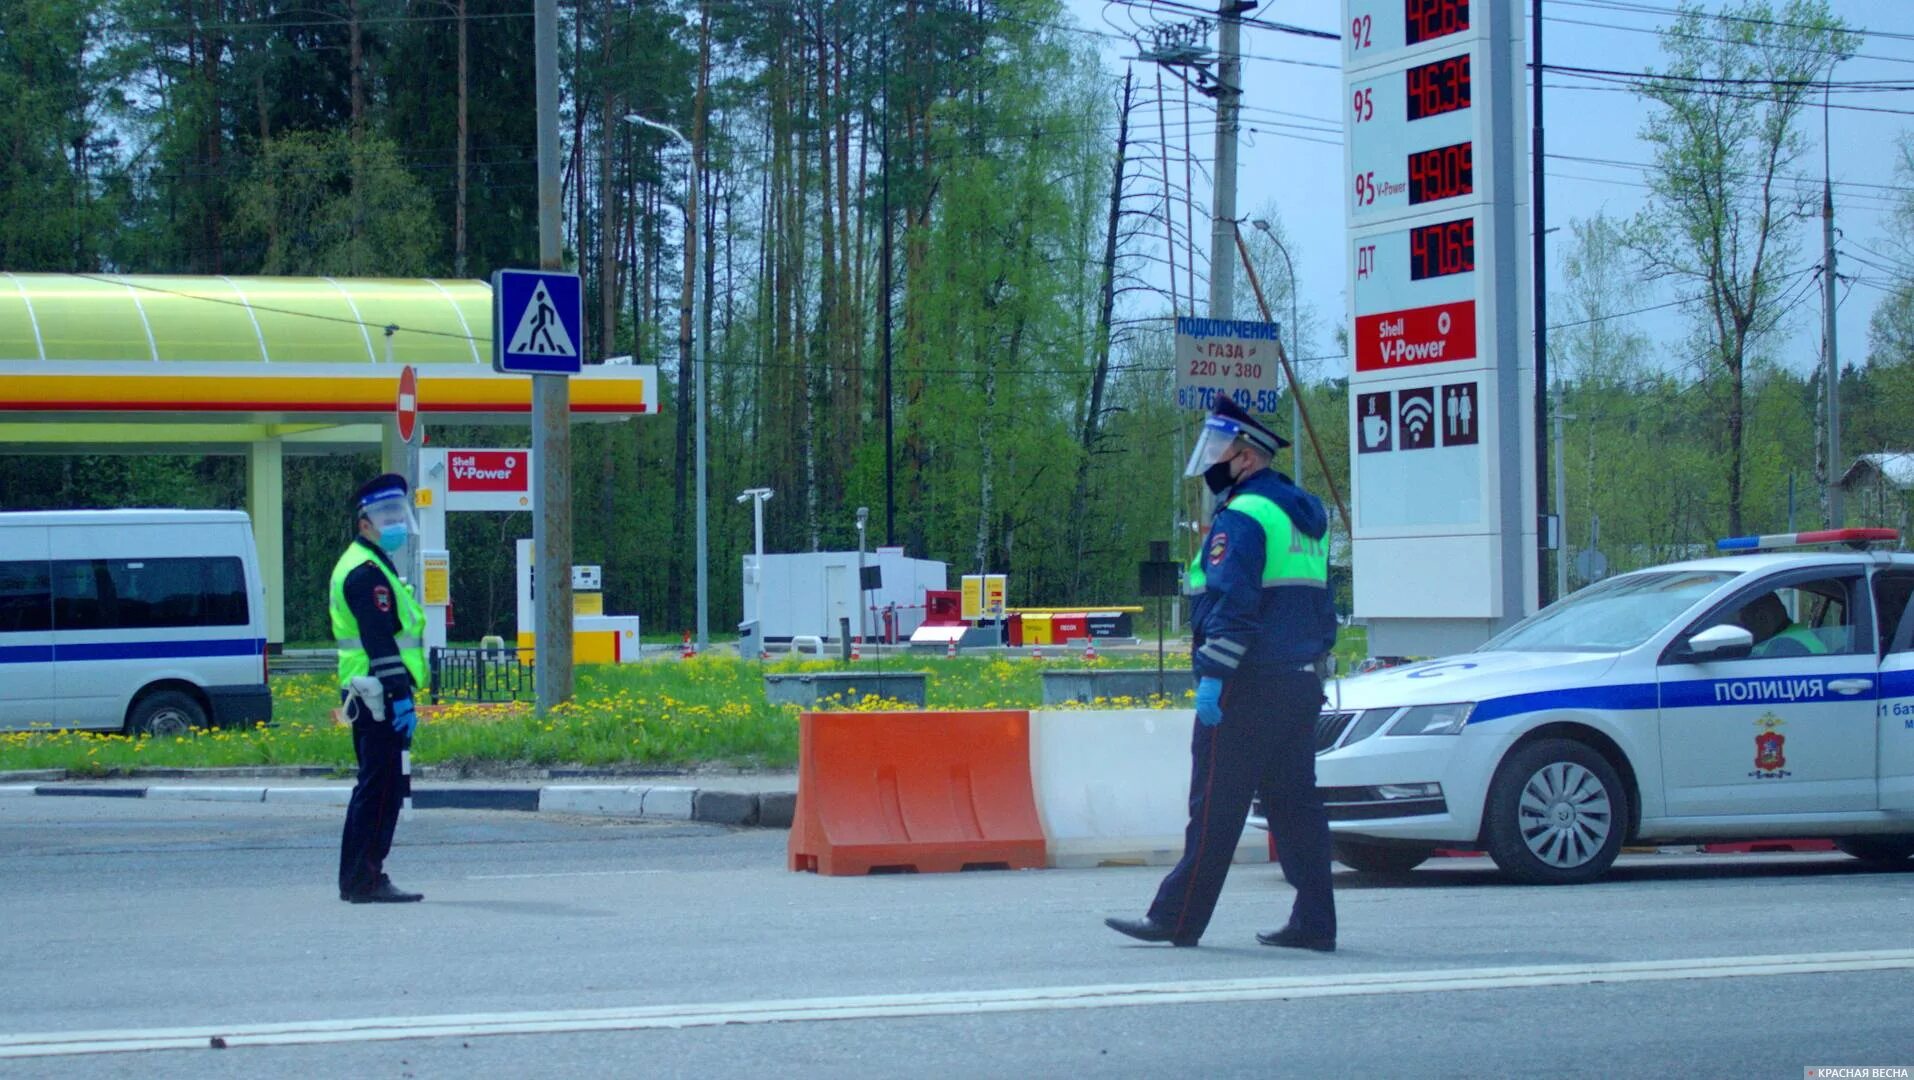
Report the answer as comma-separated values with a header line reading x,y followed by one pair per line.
x,y
1213,444
392,519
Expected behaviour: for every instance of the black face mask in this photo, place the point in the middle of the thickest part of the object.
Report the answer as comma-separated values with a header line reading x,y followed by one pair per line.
x,y
1218,478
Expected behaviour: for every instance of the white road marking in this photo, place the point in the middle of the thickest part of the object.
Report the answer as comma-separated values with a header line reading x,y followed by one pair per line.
x,y
960,1002
561,873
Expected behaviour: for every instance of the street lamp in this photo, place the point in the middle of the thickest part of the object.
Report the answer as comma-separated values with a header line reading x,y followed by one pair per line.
x,y
1295,392
698,301
863,517
757,567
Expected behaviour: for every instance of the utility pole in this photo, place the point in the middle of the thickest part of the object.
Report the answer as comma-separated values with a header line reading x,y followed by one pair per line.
x,y
1539,230
1229,103
551,407
1836,516
1561,504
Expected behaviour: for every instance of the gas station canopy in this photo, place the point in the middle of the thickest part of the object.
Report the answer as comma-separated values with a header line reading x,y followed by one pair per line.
x,y
232,359
264,367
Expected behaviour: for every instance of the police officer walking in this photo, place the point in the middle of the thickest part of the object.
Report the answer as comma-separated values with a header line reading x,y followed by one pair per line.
x,y
1261,625
380,633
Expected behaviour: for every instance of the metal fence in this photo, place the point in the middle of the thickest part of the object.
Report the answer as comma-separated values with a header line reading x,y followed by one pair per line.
x,y
479,675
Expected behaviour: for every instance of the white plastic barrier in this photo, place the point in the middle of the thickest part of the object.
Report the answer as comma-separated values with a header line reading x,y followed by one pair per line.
x,y
1113,787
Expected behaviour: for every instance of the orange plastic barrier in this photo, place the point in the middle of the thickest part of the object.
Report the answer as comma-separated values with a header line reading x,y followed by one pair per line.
x,y
1755,847
929,792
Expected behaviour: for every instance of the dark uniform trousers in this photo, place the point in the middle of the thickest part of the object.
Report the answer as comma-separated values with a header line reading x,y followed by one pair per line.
x,y
373,813
1266,742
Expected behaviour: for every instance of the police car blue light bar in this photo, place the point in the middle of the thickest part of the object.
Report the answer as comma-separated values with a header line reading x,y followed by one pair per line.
x,y
1776,541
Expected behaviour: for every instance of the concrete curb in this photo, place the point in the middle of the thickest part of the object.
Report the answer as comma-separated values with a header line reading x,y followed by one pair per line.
x,y
771,809
436,773
183,793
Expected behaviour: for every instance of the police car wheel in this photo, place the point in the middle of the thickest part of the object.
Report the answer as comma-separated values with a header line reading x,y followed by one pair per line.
x,y
1556,814
1378,858
166,714
1880,850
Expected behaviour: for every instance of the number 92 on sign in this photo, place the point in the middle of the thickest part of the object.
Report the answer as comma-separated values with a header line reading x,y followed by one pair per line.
x,y
1204,397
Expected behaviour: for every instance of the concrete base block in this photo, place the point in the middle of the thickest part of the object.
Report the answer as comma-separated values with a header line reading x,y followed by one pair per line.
x,y
7,790
845,689
1086,686
725,807
670,802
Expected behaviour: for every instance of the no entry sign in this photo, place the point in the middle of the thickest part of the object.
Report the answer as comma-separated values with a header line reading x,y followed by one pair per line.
x,y
408,408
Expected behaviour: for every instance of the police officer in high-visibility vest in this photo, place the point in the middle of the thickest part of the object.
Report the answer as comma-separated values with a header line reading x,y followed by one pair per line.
x,y
1262,626
379,629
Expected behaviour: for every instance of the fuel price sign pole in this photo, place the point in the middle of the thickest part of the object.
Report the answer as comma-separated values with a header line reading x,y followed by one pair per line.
x,y
1441,440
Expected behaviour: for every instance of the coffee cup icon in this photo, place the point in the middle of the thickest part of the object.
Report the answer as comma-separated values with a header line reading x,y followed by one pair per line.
x,y
1374,430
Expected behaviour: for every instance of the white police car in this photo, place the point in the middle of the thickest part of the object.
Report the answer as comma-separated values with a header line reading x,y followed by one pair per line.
x,y
1764,695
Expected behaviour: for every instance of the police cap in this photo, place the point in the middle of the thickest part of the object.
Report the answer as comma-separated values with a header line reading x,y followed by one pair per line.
x,y
1259,436
379,489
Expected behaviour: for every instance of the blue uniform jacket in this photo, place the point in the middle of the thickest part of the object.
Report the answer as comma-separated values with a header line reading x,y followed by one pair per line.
x,y
1239,626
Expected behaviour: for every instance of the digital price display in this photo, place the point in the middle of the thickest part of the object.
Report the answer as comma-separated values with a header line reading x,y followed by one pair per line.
x,y
1438,88
1427,20
1442,173
1445,248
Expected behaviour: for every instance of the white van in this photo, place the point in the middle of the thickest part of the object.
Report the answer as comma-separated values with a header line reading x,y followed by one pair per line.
x,y
141,621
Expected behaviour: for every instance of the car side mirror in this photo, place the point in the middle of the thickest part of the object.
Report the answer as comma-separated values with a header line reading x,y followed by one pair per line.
x,y
1725,642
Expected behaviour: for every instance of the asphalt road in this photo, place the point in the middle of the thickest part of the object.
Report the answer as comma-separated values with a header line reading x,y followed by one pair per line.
x,y
550,946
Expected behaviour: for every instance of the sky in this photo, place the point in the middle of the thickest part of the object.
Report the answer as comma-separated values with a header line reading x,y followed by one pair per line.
x,y
1291,151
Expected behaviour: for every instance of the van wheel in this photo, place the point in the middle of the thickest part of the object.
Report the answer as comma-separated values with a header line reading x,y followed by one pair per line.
x,y
1556,813
1879,850
1379,859
166,714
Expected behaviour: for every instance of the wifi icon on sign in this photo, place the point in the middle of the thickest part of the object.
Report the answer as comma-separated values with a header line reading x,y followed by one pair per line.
x,y
1415,412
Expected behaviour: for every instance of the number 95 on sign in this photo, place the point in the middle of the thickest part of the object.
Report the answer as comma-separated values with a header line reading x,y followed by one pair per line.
x,y
1204,398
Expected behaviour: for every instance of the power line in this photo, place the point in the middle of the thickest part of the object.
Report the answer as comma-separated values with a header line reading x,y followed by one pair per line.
x,y
1811,268
1732,174
108,279
1640,8
1739,95
1719,80
1264,24
1661,31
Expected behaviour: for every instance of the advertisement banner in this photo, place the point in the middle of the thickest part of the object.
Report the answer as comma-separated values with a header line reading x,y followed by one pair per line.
x,y
1438,334
1227,357
488,479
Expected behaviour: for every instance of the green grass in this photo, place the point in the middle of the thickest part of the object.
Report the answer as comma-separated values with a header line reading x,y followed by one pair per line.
x,y
658,714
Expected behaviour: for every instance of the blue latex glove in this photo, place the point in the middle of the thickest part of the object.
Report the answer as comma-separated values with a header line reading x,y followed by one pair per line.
x,y
1209,701
404,719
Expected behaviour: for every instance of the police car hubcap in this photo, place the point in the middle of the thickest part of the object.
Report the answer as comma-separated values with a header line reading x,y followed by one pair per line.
x,y
1565,814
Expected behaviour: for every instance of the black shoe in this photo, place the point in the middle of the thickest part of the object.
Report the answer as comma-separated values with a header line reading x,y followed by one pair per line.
x,y
1148,929
383,893
1289,937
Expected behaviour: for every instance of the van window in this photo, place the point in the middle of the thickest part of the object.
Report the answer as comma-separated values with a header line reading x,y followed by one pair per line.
x,y
26,607
148,594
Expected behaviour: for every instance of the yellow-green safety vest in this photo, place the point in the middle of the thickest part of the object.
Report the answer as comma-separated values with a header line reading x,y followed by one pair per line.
x,y
1290,556
353,660
1808,639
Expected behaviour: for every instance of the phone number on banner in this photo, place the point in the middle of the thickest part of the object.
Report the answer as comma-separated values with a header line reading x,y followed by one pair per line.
x,y
1204,398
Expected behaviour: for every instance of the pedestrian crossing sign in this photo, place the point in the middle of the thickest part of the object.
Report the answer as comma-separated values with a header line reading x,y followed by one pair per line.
x,y
537,322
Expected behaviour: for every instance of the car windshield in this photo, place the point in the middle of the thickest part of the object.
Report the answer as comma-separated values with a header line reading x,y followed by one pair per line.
x,y
1611,615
